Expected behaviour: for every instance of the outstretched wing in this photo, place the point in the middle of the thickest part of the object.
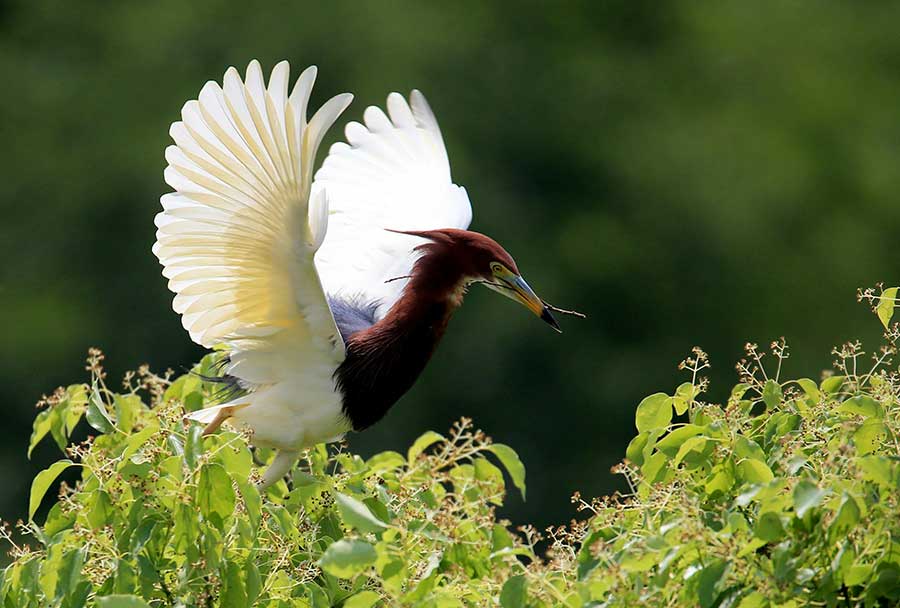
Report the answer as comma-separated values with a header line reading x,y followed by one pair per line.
x,y
393,173
237,237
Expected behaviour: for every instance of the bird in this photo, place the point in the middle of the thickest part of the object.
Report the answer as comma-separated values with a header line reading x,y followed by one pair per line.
x,y
327,291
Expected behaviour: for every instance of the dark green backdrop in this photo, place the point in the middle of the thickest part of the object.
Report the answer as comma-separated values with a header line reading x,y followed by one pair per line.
x,y
685,173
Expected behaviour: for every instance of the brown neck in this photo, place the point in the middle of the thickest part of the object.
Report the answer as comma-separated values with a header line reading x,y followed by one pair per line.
x,y
384,361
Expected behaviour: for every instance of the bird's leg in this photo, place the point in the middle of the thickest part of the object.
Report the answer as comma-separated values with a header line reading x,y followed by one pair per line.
x,y
283,462
221,416
256,459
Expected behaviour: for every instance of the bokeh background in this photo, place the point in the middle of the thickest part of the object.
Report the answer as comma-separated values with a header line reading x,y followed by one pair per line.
x,y
685,173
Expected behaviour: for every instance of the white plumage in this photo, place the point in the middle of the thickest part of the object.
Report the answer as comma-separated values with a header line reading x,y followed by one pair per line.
x,y
251,246
392,174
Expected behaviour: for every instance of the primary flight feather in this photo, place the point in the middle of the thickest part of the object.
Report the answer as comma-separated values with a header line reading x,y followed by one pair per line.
x,y
328,295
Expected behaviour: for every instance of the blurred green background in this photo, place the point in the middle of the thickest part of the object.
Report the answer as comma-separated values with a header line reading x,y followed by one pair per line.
x,y
685,173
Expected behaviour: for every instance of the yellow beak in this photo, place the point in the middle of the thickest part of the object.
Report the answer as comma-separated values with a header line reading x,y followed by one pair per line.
x,y
515,287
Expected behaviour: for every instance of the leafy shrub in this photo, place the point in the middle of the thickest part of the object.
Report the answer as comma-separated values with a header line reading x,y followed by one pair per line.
x,y
785,495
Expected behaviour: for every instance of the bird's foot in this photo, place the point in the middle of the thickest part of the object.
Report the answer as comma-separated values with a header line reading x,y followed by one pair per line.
x,y
283,463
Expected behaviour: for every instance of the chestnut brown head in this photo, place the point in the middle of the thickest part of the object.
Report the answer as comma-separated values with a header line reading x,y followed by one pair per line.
x,y
480,259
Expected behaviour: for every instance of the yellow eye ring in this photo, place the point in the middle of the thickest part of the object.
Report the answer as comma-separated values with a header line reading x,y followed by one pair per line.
x,y
497,268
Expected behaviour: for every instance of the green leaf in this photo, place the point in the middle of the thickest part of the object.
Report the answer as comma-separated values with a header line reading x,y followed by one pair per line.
x,y
672,441
385,461
654,469
511,462
215,495
42,483
807,495
810,388
234,593
77,396
847,517
127,408
747,448
885,308
863,406
97,416
877,468
100,510
635,450
40,428
515,592
694,443
486,471
684,395
768,527
708,583
363,599
772,395
421,444
639,561
653,412
347,558
737,393
754,600
121,601
754,471
831,384
193,445
869,435
357,515
857,574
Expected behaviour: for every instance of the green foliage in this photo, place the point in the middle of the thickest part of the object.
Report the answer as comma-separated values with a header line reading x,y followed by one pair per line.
x,y
785,495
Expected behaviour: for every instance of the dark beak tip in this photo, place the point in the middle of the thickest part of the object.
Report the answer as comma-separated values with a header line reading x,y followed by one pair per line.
x,y
549,319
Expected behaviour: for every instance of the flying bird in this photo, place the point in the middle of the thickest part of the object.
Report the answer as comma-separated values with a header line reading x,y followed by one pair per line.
x,y
328,295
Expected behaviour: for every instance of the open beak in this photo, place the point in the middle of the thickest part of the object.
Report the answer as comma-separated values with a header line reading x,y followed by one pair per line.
x,y
515,287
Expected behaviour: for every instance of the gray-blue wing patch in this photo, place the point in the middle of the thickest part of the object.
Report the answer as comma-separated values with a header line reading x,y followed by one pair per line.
x,y
352,314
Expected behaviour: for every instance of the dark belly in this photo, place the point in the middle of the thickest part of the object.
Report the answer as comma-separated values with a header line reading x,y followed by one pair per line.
x,y
383,362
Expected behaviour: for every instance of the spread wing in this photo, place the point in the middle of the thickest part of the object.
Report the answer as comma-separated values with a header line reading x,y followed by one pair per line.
x,y
237,237
393,173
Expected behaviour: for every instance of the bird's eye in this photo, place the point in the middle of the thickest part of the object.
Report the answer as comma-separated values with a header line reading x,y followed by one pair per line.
x,y
496,268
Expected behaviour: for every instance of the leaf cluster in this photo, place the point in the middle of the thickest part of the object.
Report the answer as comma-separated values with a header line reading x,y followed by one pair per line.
x,y
784,495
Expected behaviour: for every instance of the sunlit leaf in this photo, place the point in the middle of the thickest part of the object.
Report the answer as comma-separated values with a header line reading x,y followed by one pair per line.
x,y
363,599
869,435
357,515
421,444
42,483
811,389
807,495
510,460
96,415
886,303
862,405
42,423
121,601
347,558
772,395
653,412
215,496
755,471
847,516
832,384
878,469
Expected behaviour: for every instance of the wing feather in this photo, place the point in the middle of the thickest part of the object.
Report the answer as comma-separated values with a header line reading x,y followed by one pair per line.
x,y
393,173
238,236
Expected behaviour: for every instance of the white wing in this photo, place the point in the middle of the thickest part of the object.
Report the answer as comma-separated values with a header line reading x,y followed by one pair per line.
x,y
392,174
237,237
